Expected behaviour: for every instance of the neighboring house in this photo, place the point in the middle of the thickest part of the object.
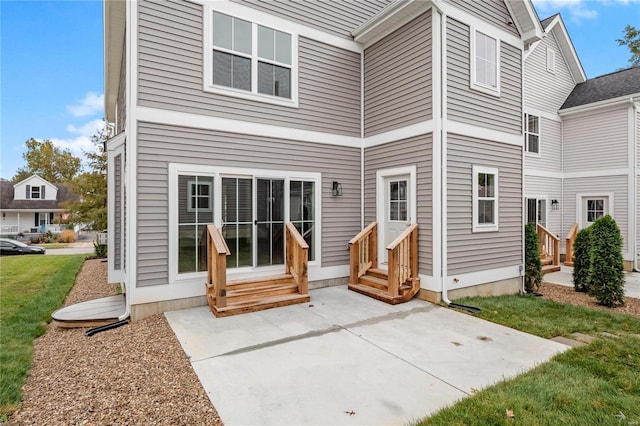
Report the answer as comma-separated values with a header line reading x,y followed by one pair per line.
x,y
581,141
33,205
329,115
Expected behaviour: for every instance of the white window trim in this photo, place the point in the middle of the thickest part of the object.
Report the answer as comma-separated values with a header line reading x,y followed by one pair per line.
x,y
478,227
494,91
551,60
525,126
546,206
176,169
579,205
253,95
35,189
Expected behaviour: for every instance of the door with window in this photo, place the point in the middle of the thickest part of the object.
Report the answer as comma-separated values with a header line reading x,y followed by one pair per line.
x,y
537,211
397,209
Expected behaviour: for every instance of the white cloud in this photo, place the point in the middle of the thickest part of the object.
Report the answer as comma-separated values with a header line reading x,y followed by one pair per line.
x,y
88,129
81,143
90,105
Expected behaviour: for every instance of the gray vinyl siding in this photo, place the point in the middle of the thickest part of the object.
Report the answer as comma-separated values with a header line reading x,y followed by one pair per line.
x,y
398,78
170,76
413,151
538,81
552,188
468,251
596,141
470,106
618,185
493,11
122,97
550,157
160,144
117,206
336,17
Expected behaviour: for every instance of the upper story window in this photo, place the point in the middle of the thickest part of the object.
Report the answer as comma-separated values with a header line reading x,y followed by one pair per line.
x,y
251,60
532,133
485,199
35,192
485,63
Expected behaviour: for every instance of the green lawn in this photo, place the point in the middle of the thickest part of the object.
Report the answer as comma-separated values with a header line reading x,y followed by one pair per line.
x,y
31,288
594,384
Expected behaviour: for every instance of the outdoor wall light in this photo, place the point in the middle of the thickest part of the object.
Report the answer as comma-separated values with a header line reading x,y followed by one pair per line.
x,y
555,205
336,189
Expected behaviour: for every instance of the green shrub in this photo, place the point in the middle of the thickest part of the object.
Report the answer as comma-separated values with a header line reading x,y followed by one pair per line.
x,y
606,276
100,250
582,260
532,264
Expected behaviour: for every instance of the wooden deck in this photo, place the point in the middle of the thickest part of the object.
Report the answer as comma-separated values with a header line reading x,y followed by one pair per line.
x,y
92,313
400,283
238,297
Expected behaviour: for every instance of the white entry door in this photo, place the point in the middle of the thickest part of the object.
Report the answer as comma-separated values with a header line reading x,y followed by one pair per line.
x,y
397,206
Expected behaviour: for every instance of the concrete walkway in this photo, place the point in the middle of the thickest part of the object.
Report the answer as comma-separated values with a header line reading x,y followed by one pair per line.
x,y
564,277
347,359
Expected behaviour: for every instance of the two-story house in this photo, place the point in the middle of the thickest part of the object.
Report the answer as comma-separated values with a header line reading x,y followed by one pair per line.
x,y
581,142
33,205
328,115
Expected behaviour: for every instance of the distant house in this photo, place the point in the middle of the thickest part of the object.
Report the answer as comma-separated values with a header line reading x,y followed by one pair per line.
x,y
581,141
33,205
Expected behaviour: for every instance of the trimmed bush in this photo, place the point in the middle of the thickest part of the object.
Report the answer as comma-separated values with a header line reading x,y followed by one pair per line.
x,y
582,260
100,250
532,264
606,276
67,236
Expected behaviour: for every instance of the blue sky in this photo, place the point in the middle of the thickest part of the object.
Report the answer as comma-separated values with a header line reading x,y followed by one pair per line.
x,y
51,83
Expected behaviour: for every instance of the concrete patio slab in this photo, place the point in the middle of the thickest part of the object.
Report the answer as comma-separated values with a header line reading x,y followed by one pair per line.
x,y
344,358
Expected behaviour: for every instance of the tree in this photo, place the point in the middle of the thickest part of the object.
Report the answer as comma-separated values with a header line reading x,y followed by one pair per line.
x,y
606,276
91,186
582,260
532,264
631,39
49,162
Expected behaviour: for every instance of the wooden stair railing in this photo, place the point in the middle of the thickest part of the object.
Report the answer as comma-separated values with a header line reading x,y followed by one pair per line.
x,y
363,252
400,282
571,238
297,263
217,252
403,259
258,293
549,249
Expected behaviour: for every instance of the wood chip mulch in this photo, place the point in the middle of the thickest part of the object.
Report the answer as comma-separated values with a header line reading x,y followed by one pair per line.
x,y
564,294
136,374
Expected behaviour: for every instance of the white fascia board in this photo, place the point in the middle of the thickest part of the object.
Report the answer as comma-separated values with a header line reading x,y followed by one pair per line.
x,y
417,129
386,21
114,13
482,277
543,114
464,129
266,19
479,24
607,103
568,50
161,116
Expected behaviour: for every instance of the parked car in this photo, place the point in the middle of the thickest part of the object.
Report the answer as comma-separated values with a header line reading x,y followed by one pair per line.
x,y
11,247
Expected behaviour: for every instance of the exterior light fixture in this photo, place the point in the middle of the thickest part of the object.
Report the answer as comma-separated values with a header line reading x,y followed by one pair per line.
x,y
555,205
336,189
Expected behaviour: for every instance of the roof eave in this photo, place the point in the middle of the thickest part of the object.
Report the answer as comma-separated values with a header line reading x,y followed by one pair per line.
x,y
114,12
606,103
527,20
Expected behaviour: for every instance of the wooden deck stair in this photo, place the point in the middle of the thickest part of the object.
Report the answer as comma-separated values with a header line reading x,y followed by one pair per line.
x,y
258,294
397,285
549,250
250,295
548,266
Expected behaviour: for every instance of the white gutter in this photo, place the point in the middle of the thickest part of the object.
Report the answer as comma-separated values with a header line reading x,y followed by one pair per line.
x,y
598,105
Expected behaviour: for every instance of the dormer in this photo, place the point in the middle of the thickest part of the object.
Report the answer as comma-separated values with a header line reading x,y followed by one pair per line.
x,y
35,188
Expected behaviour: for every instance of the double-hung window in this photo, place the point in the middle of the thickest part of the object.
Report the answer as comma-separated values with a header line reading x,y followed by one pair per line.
x,y
35,192
250,60
485,63
532,133
485,199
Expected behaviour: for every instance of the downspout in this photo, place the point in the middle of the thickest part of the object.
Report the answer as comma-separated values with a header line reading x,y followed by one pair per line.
x,y
443,156
362,139
523,165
